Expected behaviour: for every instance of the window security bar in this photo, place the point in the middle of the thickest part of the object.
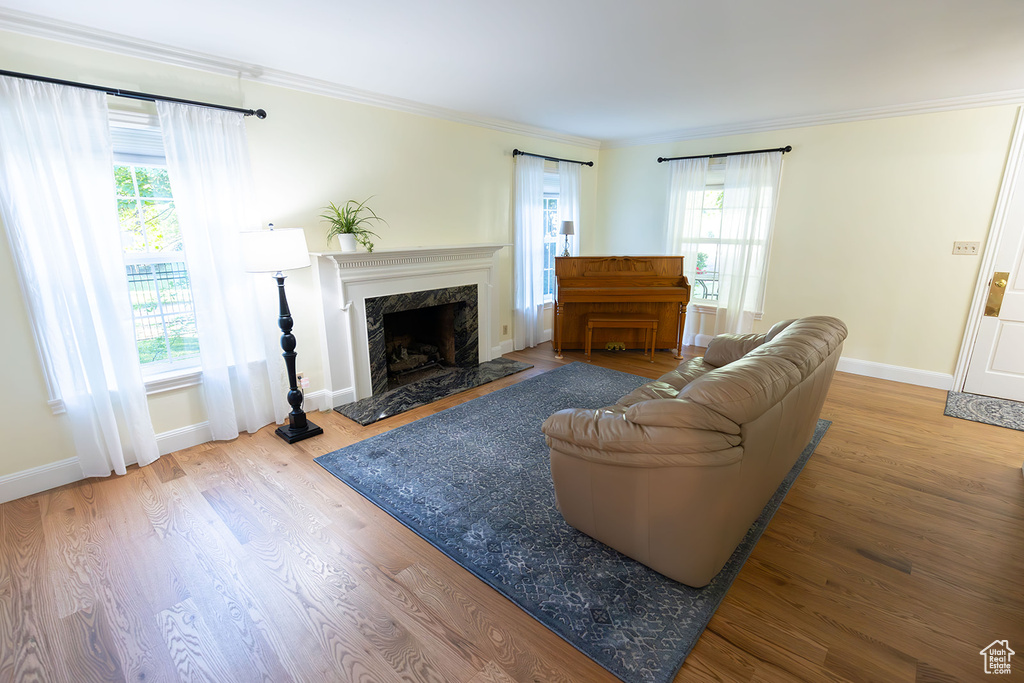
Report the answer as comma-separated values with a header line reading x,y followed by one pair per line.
x,y
132,95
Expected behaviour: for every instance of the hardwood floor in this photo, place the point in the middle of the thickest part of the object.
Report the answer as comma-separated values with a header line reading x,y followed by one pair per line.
x,y
897,556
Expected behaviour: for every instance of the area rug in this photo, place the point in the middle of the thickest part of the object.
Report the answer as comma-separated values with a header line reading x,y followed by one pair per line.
x,y
991,411
475,481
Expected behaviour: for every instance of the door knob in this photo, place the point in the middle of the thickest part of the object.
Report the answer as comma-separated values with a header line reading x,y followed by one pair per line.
x,y
995,293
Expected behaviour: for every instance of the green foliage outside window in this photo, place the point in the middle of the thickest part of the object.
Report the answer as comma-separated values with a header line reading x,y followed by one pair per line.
x,y
158,280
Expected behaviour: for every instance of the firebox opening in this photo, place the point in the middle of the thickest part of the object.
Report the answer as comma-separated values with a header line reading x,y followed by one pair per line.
x,y
420,342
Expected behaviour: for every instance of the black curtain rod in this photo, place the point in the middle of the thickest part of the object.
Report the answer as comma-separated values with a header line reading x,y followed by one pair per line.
x,y
132,95
517,152
787,148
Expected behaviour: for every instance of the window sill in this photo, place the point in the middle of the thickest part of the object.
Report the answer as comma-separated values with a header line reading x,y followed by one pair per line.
x,y
710,307
155,384
173,379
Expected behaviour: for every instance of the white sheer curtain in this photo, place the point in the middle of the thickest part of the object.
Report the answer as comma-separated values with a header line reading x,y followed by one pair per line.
x,y
529,252
748,215
569,202
57,203
208,165
686,196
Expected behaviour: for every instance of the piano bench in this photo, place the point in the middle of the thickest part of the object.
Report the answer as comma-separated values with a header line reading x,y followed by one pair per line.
x,y
648,323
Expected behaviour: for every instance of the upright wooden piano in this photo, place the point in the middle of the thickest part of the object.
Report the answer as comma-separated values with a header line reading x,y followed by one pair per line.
x,y
622,284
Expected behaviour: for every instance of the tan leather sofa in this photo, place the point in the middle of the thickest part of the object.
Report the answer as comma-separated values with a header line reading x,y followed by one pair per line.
x,y
675,473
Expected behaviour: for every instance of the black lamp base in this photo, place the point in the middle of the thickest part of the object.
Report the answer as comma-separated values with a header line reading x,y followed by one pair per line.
x,y
290,435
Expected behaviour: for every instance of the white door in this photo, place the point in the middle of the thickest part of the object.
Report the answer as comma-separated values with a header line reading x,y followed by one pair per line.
x,y
996,366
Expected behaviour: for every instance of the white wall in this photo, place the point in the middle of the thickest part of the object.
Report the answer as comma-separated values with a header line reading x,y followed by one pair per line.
x,y
435,182
867,217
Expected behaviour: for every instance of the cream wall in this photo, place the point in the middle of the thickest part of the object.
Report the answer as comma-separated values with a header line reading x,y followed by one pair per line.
x,y
436,182
867,217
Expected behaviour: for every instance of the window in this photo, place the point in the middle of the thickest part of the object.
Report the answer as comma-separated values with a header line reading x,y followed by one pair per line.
x,y
708,243
551,225
724,222
154,257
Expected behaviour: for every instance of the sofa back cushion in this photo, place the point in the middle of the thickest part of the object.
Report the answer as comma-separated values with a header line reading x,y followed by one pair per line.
x,y
747,387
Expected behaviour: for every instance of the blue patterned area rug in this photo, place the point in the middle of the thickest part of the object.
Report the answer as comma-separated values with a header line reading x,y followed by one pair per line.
x,y
475,481
991,411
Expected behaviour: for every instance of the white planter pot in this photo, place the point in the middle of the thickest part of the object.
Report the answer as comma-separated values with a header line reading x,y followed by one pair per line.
x,y
347,242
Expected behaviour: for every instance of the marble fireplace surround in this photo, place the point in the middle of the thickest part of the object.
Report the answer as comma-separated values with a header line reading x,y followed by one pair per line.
x,y
465,330
347,281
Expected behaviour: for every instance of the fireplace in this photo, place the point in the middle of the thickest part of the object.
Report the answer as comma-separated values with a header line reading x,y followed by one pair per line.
x,y
419,343
413,335
349,281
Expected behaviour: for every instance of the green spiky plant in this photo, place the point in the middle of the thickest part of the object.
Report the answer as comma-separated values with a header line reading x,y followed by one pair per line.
x,y
349,219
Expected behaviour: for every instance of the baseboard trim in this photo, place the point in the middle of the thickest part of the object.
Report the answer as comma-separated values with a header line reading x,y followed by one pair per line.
x,y
702,340
506,346
42,478
50,476
896,373
338,398
184,437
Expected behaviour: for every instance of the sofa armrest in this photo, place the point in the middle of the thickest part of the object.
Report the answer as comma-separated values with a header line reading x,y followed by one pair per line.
x,y
725,348
611,433
673,412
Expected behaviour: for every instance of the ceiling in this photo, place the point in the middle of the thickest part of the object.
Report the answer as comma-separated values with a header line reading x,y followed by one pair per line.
x,y
603,69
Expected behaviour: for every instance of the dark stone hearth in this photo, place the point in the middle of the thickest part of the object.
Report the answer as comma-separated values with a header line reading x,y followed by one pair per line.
x,y
449,381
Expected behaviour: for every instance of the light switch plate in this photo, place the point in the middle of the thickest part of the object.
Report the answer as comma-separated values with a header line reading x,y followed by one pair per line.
x,y
966,248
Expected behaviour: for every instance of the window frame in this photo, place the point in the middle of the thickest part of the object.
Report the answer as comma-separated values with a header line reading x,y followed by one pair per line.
x,y
138,142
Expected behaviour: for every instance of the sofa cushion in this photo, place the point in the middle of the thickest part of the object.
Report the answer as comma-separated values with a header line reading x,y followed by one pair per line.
x,y
744,389
686,373
673,412
805,343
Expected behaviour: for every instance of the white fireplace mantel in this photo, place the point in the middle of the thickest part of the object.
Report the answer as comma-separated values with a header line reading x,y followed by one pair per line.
x,y
347,279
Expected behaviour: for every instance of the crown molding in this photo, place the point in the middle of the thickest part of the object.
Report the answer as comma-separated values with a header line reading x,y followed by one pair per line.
x,y
867,114
76,34
83,36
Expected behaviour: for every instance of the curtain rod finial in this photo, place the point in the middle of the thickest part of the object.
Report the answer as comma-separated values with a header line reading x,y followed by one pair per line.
x,y
260,114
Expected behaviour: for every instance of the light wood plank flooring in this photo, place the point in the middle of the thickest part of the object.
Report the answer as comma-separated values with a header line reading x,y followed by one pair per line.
x,y
897,556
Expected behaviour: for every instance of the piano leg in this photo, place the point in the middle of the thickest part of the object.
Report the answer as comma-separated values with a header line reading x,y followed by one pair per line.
x,y
679,332
558,330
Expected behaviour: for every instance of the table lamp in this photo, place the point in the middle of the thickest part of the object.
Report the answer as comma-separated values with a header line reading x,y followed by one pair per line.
x,y
273,251
567,229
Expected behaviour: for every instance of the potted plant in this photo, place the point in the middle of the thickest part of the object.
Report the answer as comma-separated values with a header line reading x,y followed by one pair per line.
x,y
349,222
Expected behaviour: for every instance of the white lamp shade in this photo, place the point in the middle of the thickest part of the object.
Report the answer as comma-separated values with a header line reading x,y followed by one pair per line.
x,y
268,251
567,228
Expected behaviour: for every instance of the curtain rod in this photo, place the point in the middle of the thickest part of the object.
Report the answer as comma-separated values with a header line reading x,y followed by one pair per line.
x,y
787,148
132,95
517,152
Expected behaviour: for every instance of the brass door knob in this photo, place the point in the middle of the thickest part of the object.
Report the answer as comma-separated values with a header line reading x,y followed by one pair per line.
x,y
1001,283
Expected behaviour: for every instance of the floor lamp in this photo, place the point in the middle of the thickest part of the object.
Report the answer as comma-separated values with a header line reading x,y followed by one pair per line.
x,y
273,251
